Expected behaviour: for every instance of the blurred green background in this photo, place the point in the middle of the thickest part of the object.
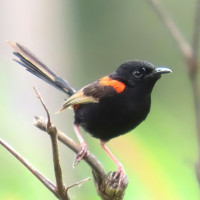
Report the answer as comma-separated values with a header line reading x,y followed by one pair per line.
x,y
83,41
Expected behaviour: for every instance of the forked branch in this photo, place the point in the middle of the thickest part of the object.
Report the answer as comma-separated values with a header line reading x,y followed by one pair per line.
x,y
61,189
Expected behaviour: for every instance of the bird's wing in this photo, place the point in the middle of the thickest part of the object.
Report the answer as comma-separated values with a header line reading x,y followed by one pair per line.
x,y
94,92
78,98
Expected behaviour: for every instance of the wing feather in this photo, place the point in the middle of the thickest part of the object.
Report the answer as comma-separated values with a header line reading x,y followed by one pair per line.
x,y
91,93
78,98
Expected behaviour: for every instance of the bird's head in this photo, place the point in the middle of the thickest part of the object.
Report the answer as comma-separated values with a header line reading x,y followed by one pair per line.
x,y
138,73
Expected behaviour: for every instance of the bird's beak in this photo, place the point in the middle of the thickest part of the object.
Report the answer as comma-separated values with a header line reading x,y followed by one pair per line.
x,y
162,70
158,71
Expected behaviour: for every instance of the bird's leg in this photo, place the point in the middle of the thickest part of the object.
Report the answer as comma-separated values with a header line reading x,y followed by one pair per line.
x,y
120,173
84,148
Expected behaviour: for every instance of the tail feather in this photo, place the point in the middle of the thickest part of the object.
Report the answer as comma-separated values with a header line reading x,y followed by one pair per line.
x,y
36,67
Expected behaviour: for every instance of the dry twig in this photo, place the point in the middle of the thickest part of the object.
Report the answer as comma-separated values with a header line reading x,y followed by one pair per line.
x,y
28,165
61,189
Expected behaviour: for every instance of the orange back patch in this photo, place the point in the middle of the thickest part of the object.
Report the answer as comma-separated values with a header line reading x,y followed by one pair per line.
x,y
117,85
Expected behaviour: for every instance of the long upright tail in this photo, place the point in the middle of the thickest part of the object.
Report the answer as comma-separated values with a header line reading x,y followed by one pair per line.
x,y
36,67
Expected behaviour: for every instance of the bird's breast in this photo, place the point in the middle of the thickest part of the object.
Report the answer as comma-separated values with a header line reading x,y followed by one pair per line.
x,y
113,116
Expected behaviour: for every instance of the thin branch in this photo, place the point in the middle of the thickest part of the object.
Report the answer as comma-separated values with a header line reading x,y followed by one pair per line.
x,y
44,106
190,54
78,183
40,123
27,164
194,81
106,185
53,135
169,23
57,167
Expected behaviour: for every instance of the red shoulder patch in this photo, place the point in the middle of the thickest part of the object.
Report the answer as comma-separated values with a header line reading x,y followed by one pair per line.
x,y
117,85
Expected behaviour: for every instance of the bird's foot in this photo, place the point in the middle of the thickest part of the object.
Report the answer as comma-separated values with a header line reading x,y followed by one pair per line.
x,y
83,152
119,175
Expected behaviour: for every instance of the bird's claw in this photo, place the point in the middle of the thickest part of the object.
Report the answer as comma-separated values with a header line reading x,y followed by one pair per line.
x,y
119,175
83,152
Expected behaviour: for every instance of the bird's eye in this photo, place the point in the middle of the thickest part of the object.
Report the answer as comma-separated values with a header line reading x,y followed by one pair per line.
x,y
139,73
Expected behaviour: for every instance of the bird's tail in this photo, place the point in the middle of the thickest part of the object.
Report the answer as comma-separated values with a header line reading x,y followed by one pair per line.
x,y
36,67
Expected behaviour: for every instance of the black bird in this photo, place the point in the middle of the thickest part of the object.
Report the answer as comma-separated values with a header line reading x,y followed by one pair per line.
x,y
107,108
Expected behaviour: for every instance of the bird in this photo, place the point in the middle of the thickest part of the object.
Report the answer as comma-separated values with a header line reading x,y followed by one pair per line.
x,y
107,108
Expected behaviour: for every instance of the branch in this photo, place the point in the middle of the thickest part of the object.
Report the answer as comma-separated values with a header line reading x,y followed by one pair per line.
x,y
60,191
106,184
78,183
41,123
34,171
190,54
57,168
163,15
194,81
